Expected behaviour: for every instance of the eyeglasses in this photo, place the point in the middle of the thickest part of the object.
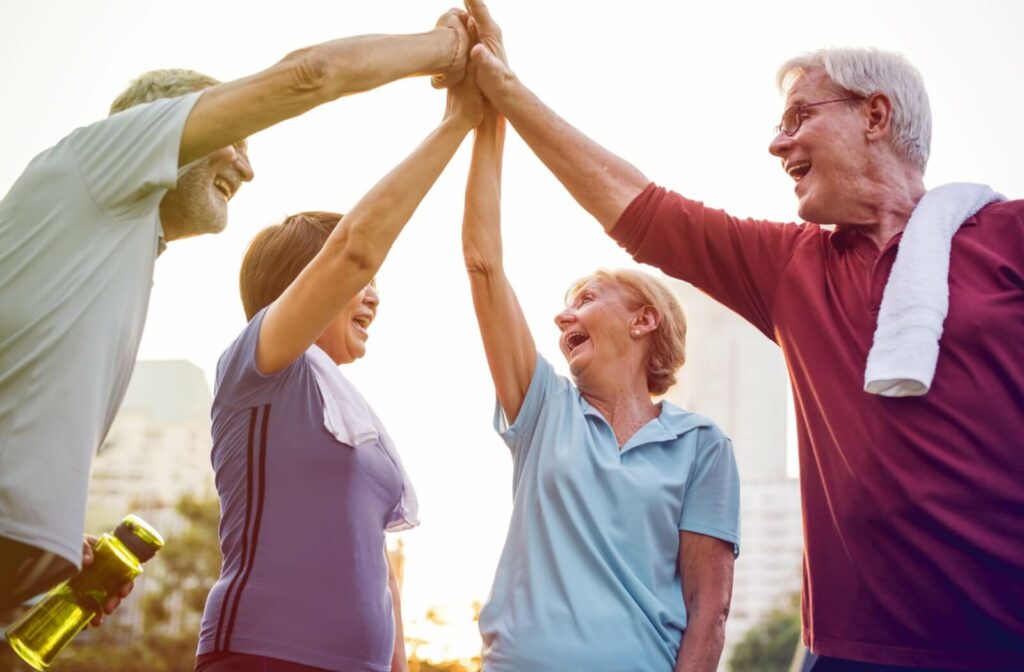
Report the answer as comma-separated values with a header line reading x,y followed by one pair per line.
x,y
793,117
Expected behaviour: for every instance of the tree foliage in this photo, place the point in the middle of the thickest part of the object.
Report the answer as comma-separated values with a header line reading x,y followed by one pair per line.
x,y
769,646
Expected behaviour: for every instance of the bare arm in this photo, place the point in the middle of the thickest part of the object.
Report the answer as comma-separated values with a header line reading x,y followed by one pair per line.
x,y
706,568
399,663
602,182
357,247
227,113
511,353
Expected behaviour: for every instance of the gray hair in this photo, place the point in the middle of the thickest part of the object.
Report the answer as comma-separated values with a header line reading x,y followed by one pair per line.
x,y
157,84
868,71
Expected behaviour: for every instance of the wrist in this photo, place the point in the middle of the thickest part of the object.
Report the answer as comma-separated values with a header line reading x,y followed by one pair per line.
x,y
446,41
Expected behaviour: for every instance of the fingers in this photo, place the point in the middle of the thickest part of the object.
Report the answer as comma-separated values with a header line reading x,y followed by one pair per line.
x,y
88,541
478,10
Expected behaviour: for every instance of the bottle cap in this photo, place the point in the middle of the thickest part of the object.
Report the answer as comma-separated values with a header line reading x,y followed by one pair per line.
x,y
139,536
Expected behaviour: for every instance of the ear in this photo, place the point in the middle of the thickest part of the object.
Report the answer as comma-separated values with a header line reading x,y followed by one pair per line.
x,y
644,321
879,116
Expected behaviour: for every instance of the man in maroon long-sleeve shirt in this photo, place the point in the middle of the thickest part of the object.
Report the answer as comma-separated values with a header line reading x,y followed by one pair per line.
x,y
913,507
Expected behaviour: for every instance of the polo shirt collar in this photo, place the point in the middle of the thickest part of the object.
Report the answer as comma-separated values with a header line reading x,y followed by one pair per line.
x,y
670,424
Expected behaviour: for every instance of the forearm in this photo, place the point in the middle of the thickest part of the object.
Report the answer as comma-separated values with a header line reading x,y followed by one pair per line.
x,y
399,663
354,251
304,79
703,641
371,227
600,181
508,344
481,231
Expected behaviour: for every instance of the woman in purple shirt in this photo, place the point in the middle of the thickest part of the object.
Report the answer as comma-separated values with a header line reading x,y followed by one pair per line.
x,y
308,479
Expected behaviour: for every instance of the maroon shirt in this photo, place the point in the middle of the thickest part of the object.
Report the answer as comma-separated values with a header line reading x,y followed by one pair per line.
x,y
913,507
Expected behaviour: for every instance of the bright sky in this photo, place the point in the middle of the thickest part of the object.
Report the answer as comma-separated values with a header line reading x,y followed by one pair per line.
x,y
683,90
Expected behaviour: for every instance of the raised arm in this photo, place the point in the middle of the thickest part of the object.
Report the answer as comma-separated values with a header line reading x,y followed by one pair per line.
x,y
357,247
511,353
706,568
229,112
602,182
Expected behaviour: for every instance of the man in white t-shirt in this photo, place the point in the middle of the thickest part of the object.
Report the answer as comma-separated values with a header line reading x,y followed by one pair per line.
x,y
80,231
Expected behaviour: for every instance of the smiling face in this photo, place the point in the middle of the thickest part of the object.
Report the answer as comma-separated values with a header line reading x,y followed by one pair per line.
x,y
596,330
345,338
199,202
828,157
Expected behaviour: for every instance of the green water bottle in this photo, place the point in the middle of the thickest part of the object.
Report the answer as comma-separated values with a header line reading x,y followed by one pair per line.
x,y
45,629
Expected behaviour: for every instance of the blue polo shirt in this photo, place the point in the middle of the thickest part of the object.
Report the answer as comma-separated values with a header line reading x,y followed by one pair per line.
x,y
589,576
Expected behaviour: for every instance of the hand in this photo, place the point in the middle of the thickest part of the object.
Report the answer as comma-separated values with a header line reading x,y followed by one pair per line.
x,y
487,31
488,53
465,101
454,20
87,558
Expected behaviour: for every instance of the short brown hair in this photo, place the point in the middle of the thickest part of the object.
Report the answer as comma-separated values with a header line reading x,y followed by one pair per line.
x,y
157,84
668,342
278,253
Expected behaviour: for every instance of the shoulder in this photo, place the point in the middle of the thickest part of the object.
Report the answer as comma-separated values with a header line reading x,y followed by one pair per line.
x,y
1002,213
694,428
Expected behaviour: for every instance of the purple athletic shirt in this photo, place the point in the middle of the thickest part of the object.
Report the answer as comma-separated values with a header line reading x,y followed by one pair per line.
x,y
304,576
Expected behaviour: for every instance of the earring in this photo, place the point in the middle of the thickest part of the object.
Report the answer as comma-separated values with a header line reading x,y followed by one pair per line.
x,y
636,332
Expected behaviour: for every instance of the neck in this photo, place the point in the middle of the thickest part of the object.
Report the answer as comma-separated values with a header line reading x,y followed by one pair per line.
x,y
627,408
887,202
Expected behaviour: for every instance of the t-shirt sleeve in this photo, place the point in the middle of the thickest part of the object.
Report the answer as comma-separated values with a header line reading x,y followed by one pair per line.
x,y
711,503
519,435
239,381
738,262
129,160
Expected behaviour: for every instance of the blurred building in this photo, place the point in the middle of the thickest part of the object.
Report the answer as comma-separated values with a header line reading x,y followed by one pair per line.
x,y
157,451
737,377
158,448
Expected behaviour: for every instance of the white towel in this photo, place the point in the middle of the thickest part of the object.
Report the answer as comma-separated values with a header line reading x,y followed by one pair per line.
x,y
916,297
350,419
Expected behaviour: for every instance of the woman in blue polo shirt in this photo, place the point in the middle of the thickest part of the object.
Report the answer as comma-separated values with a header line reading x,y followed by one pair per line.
x,y
625,517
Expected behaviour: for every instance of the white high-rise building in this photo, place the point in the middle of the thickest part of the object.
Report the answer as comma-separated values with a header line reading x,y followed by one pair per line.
x,y
737,377
157,451
158,447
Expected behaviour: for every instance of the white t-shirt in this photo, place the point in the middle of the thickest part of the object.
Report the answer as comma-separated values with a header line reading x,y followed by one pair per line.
x,y
79,232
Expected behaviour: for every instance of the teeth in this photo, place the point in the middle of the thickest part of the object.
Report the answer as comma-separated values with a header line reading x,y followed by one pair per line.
x,y
799,170
575,339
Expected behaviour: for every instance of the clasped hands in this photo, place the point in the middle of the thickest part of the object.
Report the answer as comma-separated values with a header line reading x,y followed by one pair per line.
x,y
479,66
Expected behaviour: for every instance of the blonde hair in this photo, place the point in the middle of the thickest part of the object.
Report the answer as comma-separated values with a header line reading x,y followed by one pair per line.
x,y
867,71
157,84
667,352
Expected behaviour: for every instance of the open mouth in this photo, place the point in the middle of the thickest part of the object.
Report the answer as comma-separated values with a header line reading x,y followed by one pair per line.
x,y
224,188
575,340
362,322
798,171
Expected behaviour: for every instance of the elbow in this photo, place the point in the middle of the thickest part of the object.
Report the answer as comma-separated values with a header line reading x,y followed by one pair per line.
x,y
355,256
306,71
479,266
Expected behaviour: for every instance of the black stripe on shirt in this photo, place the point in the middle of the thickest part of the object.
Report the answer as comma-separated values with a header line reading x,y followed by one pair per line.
x,y
261,491
250,447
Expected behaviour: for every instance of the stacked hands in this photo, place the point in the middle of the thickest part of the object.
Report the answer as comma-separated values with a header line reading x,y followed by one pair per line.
x,y
479,65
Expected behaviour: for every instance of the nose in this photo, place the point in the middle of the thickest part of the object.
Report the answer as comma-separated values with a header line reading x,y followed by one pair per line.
x,y
242,164
564,319
780,145
371,297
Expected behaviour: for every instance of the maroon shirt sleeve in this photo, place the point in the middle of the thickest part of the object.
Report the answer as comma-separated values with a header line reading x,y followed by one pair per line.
x,y
738,262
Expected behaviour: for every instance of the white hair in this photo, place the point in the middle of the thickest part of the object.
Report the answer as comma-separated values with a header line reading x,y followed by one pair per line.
x,y
867,71
157,84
